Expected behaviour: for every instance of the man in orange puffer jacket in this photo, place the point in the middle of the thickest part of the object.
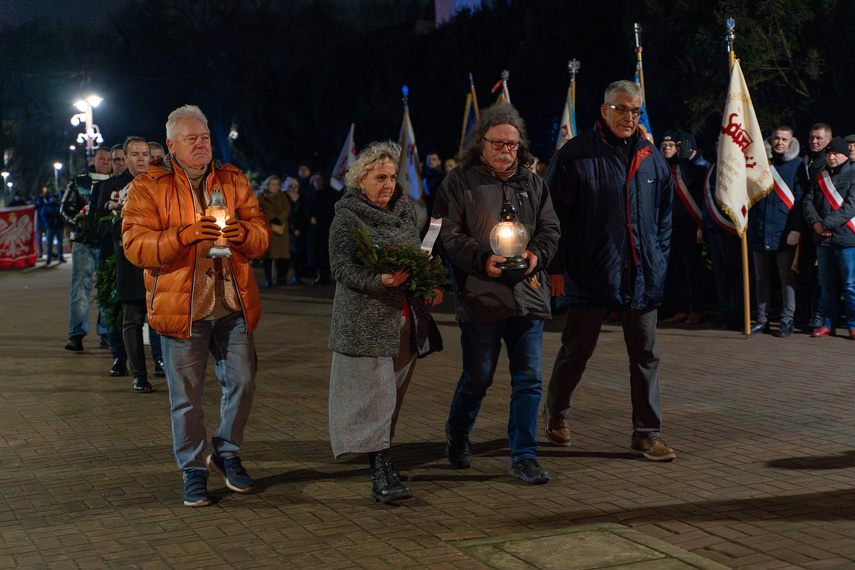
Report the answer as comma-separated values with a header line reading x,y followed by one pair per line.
x,y
199,304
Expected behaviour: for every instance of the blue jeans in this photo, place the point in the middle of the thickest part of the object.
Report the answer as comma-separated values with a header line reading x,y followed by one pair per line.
x,y
84,259
53,236
834,261
578,342
185,361
481,344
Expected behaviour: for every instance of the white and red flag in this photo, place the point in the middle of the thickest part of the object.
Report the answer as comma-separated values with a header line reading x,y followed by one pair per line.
x,y
410,167
743,176
345,158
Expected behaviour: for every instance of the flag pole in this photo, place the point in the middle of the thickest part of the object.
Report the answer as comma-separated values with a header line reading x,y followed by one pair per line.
x,y
746,286
474,97
638,66
505,76
573,67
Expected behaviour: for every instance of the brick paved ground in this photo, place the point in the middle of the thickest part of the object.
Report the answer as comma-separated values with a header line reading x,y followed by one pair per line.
x,y
763,428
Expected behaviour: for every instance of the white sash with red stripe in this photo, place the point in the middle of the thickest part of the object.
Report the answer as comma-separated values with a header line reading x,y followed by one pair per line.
x,y
686,198
781,189
832,195
723,221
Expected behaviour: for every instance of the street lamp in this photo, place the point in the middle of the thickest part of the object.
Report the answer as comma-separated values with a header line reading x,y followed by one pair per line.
x,y
92,136
57,166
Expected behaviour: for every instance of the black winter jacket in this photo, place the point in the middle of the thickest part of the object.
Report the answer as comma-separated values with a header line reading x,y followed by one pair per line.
x,y
818,209
770,220
469,202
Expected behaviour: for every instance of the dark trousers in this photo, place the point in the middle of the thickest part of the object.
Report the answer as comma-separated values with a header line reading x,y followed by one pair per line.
x,y
726,259
281,270
577,346
132,334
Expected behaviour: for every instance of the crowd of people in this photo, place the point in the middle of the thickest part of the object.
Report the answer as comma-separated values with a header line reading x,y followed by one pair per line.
x,y
616,228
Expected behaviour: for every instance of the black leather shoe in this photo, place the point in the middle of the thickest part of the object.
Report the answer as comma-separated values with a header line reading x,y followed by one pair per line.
x,y
758,328
74,343
458,449
159,372
141,385
786,330
119,368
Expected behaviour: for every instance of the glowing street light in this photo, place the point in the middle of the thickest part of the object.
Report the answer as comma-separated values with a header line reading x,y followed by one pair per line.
x,y
57,166
92,136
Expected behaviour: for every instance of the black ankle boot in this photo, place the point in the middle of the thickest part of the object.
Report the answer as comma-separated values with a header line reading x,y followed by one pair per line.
x,y
386,486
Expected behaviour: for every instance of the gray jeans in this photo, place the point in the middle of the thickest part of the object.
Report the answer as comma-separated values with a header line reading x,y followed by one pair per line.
x,y
765,262
577,346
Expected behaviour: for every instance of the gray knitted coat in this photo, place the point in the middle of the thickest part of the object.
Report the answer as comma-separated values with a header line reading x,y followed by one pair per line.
x,y
366,315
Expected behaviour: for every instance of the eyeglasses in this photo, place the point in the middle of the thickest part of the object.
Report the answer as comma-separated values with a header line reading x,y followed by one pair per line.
x,y
497,145
636,113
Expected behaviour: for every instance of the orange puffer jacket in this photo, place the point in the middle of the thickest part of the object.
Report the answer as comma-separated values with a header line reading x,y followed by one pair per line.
x,y
159,205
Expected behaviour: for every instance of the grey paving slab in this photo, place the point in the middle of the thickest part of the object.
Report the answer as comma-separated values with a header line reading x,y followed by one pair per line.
x,y
604,545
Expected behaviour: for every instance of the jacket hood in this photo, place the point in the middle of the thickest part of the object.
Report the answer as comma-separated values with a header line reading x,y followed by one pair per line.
x,y
788,154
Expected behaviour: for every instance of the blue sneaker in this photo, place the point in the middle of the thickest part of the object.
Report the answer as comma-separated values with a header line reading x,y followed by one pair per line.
x,y
196,488
233,473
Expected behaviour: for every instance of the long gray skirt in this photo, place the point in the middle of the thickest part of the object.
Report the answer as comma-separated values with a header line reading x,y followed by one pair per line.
x,y
365,397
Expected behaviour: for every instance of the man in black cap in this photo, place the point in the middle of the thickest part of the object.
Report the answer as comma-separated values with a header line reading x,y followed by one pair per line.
x,y
683,298
829,210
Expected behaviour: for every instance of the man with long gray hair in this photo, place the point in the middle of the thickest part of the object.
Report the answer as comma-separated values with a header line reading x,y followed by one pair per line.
x,y
495,305
612,191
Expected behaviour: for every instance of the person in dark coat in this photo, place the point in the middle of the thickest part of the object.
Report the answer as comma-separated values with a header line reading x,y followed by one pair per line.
x,y
276,207
320,208
774,226
495,306
613,192
54,224
130,284
298,223
685,281
378,329
829,209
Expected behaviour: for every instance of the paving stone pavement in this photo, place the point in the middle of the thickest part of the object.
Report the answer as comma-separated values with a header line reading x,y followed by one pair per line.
x,y
763,429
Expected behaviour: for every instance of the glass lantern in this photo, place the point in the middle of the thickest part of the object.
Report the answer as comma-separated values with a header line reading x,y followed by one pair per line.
x,y
509,239
218,210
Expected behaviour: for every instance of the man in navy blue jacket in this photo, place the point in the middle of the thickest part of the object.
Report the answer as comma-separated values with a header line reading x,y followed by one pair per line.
x,y
612,191
774,226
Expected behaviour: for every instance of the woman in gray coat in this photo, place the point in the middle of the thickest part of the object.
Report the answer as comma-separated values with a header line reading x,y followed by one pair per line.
x,y
377,330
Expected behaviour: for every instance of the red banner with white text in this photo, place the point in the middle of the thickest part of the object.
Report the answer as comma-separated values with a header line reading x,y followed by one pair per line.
x,y
18,245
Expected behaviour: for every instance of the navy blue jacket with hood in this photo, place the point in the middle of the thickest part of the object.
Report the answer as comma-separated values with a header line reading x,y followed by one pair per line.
x,y
615,220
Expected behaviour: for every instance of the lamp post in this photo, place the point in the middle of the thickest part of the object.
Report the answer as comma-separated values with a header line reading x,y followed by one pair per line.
x,y
5,176
92,136
57,166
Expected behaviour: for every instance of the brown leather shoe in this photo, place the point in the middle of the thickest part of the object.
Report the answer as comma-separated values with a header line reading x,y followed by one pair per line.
x,y
694,318
556,428
678,318
652,448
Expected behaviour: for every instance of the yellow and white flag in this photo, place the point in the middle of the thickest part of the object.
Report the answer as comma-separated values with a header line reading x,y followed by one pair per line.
x,y
743,176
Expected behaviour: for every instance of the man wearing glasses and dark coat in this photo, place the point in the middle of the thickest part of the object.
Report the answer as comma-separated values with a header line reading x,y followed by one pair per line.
x,y
492,308
612,191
